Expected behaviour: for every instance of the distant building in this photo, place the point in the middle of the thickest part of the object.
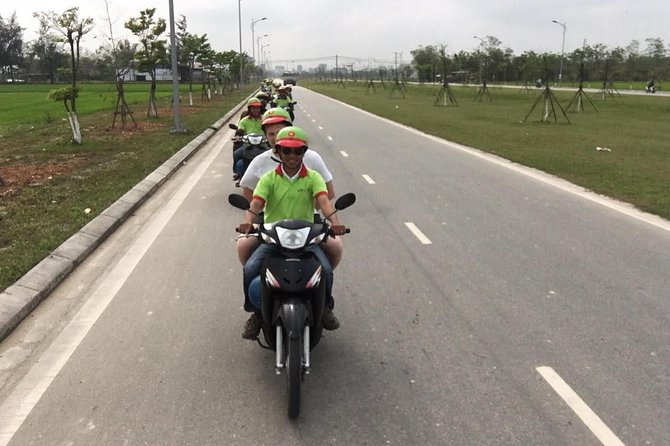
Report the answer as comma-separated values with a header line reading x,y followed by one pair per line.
x,y
299,68
279,68
322,68
162,74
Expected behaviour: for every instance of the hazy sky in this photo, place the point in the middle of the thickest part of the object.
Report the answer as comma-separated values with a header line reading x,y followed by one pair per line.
x,y
302,29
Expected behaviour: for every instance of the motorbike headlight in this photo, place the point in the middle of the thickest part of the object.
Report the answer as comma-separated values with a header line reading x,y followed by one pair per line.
x,y
255,139
292,238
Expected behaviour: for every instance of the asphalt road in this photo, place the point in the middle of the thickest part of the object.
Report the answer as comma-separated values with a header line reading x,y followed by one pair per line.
x,y
481,304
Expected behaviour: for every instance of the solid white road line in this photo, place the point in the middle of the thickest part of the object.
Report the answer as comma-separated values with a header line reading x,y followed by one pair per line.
x,y
330,138
417,232
583,411
344,154
32,386
368,179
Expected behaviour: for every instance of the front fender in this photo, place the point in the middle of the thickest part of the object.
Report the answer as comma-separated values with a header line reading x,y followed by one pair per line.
x,y
293,315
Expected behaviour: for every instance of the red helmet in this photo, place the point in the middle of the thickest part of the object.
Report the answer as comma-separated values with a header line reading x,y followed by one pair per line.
x,y
254,102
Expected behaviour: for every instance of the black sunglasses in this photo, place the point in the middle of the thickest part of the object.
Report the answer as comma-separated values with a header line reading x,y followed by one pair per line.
x,y
300,151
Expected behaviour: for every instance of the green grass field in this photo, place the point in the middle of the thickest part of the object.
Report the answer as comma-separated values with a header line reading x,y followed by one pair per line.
x,y
29,106
635,128
49,182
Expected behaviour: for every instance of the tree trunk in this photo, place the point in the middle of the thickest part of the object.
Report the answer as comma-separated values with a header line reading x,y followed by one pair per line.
x,y
74,124
73,101
152,112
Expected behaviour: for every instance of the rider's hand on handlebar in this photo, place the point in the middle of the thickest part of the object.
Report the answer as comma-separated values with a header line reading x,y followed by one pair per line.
x,y
245,228
337,230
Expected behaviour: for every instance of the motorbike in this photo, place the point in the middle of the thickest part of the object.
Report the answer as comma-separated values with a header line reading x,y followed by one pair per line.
x,y
252,145
288,107
292,293
650,89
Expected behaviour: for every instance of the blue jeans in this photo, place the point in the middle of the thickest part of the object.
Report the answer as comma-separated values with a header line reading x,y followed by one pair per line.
x,y
238,163
253,267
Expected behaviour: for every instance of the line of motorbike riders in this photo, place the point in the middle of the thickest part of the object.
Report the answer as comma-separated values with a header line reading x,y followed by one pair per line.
x,y
281,175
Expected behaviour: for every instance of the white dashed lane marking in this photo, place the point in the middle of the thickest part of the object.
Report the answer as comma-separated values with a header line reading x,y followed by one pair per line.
x,y
583,411
418,234
368,179
344,154
330,138
320,128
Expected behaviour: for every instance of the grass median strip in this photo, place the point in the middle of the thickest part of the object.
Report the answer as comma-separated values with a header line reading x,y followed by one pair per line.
x,y
635,169
51,188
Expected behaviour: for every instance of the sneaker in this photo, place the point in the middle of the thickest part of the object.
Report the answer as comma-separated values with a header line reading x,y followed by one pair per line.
x,y
252,328
329,320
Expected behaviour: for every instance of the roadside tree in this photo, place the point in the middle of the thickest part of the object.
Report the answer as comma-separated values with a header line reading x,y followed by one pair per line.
x,y
153,51
194,49
71,29
426,63
46,54
11,46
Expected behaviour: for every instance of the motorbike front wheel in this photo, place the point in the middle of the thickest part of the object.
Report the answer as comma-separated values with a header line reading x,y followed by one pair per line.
x,y
294,375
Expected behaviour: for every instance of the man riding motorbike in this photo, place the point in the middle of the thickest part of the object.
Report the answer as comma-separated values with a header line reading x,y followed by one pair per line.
x,y
289,192
274,120
265,100
250,123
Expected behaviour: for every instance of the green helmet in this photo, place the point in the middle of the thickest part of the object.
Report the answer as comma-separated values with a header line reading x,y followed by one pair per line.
x,y
275,115
291,137
254,102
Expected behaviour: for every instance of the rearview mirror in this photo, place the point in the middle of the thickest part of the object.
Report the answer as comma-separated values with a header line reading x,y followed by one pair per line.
x,y
232,126
238,201
344,201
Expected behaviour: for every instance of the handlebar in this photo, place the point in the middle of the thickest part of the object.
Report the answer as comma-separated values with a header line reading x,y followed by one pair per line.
x,y
256,230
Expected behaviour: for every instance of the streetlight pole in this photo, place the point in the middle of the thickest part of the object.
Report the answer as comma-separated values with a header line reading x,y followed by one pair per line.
x,y
560,72
239,23
175,74
481,64
265,45
253,23
258,45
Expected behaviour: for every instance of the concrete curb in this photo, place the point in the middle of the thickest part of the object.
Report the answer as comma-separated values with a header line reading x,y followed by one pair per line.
x,y
19,299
